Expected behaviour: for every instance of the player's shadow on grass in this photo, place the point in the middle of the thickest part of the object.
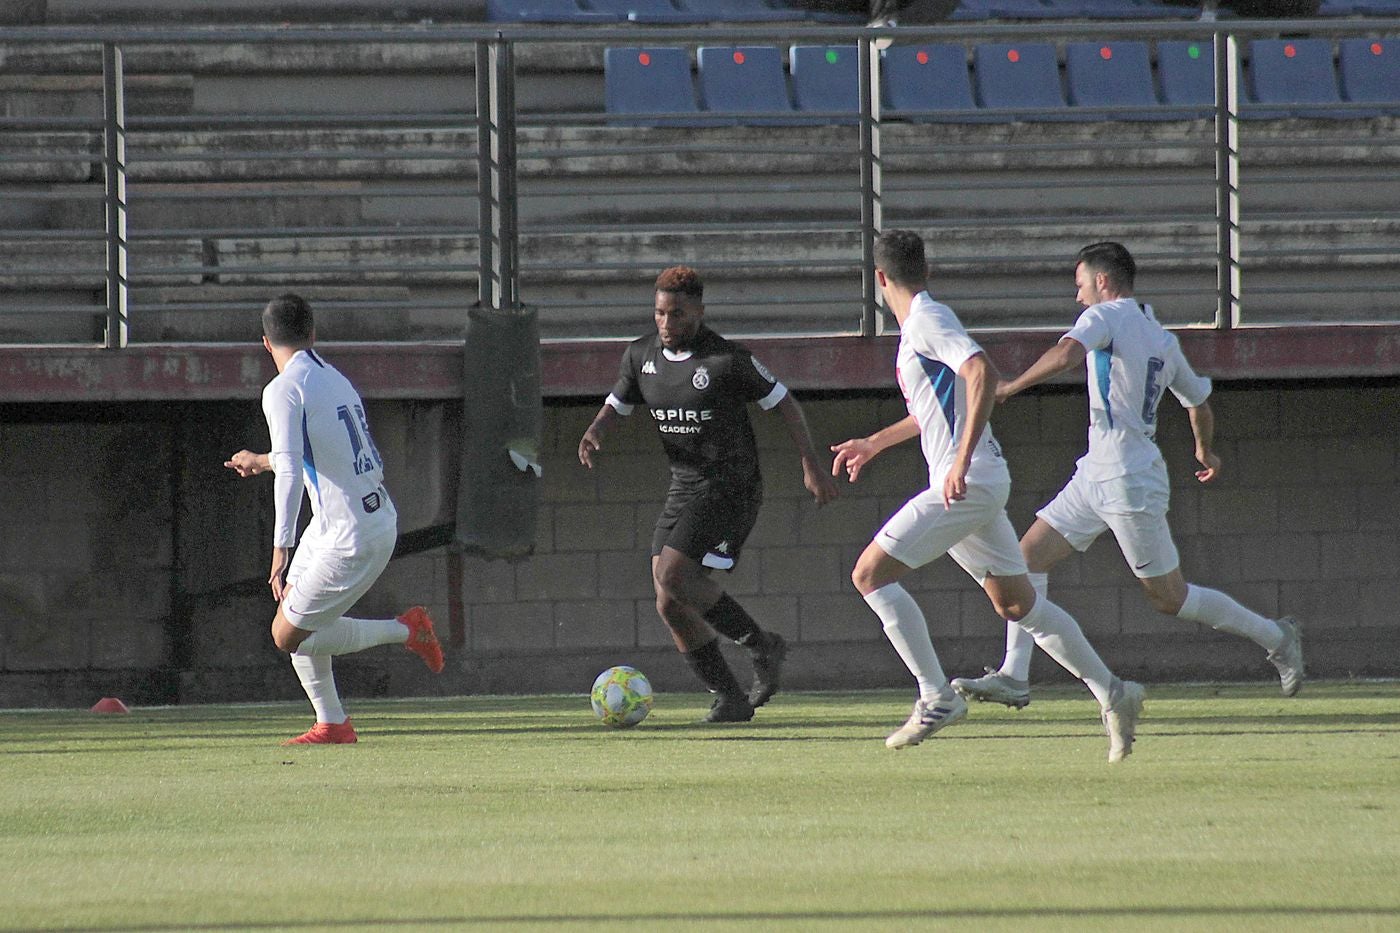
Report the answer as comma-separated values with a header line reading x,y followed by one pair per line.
x,y
772,917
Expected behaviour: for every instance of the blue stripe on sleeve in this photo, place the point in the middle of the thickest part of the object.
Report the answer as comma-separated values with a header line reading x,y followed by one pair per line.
x,y
1103,367
945,386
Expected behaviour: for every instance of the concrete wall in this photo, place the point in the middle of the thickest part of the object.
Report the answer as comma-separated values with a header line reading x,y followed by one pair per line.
x,y
131,562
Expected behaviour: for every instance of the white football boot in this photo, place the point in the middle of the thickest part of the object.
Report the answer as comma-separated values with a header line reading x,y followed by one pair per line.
x,y
1120,717
1288,657
928,717
994,687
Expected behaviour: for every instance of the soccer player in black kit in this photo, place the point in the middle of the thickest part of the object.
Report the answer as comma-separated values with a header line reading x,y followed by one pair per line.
x,y
697,386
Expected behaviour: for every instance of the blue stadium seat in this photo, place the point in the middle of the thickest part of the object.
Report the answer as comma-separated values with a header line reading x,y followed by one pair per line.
x,y
1294,71
746,79
934,77
544,11
1370,71
1341,8
644,11
826,78
1020,76
1113,74
1186,69
735,11
649,81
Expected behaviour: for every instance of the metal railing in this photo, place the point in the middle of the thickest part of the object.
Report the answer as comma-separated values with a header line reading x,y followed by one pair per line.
x,y
505,136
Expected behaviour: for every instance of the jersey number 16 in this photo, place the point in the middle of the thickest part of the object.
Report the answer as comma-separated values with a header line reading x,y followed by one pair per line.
x,y
362,449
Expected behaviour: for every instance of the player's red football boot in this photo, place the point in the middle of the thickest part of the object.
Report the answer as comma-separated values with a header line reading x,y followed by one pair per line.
x,y
422,640
326,733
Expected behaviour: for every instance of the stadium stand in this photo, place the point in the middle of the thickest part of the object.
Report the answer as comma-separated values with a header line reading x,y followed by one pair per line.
x,y
747,80
1020,76
547,11
736,11
1186,71
826,78
1369,70
645,11
1113,74
1294,72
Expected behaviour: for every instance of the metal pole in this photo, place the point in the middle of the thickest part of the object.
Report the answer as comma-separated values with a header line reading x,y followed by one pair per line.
x,y
1227,181
871,219
506,293
485,176
114,197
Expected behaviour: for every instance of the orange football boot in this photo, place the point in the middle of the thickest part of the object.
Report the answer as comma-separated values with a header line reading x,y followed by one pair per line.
x,y
422,640
326,733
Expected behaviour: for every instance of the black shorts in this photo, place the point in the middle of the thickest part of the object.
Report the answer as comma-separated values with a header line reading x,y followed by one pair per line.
x,y
708,525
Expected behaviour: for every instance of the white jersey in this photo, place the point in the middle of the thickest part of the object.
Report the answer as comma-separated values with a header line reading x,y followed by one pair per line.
x,y
320,438
1132,360
933,345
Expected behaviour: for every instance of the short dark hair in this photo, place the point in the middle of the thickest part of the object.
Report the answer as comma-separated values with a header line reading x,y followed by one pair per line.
x,y
287,321
1113,260
682,280
900,255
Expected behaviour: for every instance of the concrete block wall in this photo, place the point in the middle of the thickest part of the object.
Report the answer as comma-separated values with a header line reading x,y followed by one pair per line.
x,y
123,544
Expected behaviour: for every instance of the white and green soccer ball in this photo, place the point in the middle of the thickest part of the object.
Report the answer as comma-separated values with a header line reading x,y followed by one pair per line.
x,y
621,696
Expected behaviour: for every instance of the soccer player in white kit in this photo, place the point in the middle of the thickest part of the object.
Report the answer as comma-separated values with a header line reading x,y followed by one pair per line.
x,y
1121,483
949,385
321,443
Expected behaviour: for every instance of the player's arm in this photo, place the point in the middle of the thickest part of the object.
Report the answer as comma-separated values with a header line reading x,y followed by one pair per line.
x,y
852,455
1062,357
980,376
814,476
246,463
592,440
283,409
1203,428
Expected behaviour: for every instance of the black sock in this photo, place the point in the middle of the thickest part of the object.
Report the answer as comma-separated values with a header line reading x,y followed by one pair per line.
x,y
729,619
709,665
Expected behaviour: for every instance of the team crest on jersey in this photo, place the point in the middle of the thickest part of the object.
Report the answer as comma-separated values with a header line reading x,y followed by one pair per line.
x,y
763,370
701,379
649,368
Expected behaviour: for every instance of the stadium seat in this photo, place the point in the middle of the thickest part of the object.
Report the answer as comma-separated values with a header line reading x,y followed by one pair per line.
x,y
1113,74
644,11
746,79
649,81
929,82
1293,72
826,78
1370,71
1020,76
1186,69
735,11
544,11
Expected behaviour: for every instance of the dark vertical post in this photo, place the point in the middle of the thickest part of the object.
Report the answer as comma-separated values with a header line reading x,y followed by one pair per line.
x,y
114,195
505,294
870,184
485,175
1227,181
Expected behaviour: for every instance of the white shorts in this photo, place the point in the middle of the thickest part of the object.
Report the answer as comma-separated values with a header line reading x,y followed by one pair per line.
x,y
974,532
1134,507
323,583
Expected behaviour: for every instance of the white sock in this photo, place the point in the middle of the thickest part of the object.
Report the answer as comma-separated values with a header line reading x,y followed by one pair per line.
x,y
346,636
1020,644
318,680
1059,636
1222,613
908,632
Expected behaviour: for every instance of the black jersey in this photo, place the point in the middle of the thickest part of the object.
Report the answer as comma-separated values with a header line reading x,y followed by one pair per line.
x,y
699,401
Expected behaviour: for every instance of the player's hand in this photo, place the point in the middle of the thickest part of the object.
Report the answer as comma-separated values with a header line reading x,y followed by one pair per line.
x,y
822,487
588,446
954,486
1003,391
245,463
1211,463
277,576
851,456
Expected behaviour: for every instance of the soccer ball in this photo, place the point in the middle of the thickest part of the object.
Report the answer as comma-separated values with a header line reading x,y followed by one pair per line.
x,y
621,697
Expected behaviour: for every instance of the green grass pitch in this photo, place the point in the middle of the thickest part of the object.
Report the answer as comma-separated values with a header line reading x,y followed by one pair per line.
x,y
1238,810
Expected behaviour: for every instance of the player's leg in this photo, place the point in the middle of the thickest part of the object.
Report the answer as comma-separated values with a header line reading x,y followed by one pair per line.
x,y
920,532
1146,541
1043,546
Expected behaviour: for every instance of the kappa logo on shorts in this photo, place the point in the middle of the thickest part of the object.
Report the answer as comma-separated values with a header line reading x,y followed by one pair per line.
x,y
372,502
649,368
701,379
